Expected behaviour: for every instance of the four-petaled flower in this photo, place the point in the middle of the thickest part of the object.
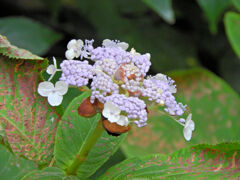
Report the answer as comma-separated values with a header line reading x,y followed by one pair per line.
x,y
112,113
74,49
188,128
54,94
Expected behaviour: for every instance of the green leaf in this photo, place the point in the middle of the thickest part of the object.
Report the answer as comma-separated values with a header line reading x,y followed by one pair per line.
x,y
52,173
163,8
215,108
81,145
236,3
198,162
232,26
28,34
13,167
14,52
213,9
29,121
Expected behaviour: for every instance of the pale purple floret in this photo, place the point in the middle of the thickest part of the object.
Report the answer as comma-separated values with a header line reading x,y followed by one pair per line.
x,y
142,62
101,86
161,90
134,107
121,57
109,66
76,73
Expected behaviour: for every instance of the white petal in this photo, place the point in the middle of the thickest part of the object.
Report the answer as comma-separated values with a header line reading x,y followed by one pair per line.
x,y
45,88
79,44
97,70
113,118
189,122
148,55
51,69
161,77
123,121
72,44
123,45
61,87
54,99
107,43
70,54
187,133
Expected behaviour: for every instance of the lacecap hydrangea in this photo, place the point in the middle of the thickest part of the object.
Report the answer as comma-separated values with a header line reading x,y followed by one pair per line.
x,y
118,80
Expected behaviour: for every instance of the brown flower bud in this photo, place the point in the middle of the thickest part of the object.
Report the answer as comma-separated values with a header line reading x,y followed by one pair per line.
x,y
86,108
113,128
98,105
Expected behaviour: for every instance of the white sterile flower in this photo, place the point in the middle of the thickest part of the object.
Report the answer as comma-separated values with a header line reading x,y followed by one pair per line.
x,y
52,69
110,43
74,49
123,121
112,113
188,128
54,94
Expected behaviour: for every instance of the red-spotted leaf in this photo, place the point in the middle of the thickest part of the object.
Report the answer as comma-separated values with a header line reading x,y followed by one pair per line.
x,y
82,145
29,122
14,52
199,162
216,112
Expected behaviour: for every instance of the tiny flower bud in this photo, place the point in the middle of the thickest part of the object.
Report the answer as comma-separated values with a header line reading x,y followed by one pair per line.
x,y
86,109
113,128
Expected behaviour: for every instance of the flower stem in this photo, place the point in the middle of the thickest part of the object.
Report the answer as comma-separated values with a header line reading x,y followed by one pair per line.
x,y
86,148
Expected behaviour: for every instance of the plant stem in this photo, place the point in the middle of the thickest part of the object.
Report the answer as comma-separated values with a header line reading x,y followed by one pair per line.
x,y
82,154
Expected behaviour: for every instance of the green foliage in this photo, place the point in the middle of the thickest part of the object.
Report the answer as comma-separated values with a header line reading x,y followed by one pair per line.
x,y
81,145
13,167
14,52
215,108
163,8
201,161
213,10
29,122
52,173
29,35
236,3
170,48
232,26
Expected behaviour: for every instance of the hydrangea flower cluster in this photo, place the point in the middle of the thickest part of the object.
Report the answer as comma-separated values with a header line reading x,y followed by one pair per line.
x,y
118,79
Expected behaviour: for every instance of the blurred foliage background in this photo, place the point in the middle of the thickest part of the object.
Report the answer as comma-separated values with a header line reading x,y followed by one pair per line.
x,y
179,35
189,36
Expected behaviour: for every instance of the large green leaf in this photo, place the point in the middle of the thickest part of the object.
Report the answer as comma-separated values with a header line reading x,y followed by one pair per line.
x,y
12,167
29,122
232,26
28,34
215,108
76,148
198,162
236,4
52,173
213,9
163,8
